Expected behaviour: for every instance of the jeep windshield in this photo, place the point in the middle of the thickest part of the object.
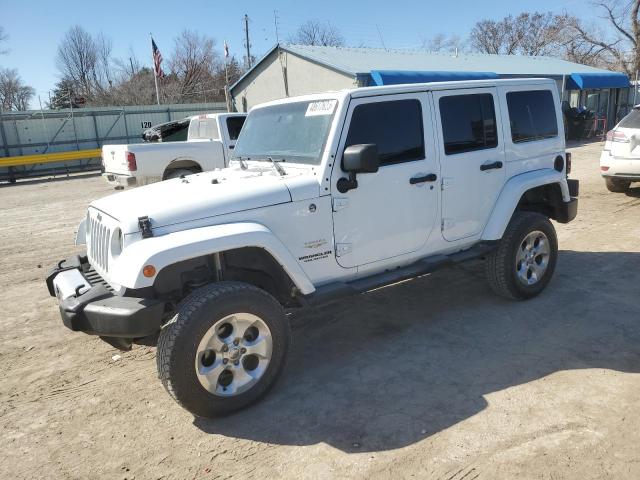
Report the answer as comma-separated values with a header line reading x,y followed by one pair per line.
x,y
292,132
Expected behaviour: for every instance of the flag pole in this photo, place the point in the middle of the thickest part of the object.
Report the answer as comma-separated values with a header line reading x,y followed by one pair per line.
x,y
155,73
226,77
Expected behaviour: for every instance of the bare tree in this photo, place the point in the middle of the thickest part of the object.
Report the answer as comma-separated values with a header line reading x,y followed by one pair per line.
x,y
86,61
622,48
315,32
443,43
526,34
493,36
193,61
14,94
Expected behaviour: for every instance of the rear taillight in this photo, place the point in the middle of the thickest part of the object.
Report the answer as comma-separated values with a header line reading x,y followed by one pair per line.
x,y
617,136
131,162
603,168
568,160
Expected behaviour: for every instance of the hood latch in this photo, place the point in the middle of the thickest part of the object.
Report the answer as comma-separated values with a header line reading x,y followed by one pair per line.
x,y
145,227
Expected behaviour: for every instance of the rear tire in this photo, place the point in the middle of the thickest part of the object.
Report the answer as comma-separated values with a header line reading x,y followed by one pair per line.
x,y
224,349
617,185
178,172
524,262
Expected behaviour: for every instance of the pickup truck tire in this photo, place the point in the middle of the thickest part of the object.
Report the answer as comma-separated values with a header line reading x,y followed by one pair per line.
x,y
224,348
616,185
524,262
178,172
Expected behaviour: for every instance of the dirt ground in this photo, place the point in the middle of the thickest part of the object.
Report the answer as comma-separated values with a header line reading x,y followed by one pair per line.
x,y
435,378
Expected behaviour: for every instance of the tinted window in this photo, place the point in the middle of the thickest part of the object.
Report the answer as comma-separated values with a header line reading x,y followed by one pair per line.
x,y
532,115
234,125
468,123
395,127
178,133
632,120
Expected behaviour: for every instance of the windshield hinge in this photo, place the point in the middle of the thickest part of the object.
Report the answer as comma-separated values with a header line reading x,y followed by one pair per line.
x,y
144,223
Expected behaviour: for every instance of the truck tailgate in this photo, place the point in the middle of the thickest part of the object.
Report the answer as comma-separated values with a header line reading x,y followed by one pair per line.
x,y
114,159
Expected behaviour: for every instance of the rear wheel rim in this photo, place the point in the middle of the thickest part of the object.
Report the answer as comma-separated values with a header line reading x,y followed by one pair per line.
x,y
233,354
532,258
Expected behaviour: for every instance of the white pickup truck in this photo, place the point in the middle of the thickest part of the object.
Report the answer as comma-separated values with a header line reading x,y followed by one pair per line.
x,y
209,141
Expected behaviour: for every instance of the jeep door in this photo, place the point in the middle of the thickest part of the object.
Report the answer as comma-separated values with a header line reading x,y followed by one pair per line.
x,y
392,211
472,158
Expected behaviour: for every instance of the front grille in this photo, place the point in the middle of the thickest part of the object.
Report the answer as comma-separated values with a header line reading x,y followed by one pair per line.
x,y
94,278
99,236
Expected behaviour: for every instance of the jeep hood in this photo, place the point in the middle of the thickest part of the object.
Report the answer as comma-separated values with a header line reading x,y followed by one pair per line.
x,y
205,195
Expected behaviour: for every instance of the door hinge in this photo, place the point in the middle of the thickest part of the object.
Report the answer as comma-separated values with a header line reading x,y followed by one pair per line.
x,y
343,249
446,182
447,223
339,203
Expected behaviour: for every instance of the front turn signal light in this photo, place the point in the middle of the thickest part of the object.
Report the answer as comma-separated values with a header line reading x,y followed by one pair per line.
x,y
149,271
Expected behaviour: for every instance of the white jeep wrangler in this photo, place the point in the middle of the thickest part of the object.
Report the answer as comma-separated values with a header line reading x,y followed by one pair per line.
x,y
328,195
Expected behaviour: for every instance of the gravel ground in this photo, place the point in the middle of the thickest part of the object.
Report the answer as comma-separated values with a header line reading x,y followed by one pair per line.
x,y
435,378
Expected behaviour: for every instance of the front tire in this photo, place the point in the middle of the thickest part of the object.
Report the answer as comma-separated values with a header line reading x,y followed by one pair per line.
x,y
524,262
616,185
224,349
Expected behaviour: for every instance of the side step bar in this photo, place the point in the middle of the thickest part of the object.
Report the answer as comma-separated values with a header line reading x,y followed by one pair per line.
x,y
338,290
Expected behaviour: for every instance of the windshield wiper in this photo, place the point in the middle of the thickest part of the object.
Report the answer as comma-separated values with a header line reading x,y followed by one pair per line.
x,y
277,166
243,165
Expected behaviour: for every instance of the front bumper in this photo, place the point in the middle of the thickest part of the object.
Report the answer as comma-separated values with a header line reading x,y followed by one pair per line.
x,y
118,180
93,308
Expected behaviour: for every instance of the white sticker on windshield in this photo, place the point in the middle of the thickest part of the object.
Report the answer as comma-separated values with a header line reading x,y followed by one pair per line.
x,y
321,107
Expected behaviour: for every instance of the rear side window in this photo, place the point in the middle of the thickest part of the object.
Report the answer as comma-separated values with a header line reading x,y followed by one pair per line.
x,y
234,125
632,120
395,127
468,123
532,115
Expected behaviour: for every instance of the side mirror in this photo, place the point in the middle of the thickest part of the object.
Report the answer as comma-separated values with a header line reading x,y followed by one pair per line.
x,y
361,158
358,159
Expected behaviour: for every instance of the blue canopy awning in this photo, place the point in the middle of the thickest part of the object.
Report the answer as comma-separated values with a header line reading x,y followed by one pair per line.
x,y
399,77
583,81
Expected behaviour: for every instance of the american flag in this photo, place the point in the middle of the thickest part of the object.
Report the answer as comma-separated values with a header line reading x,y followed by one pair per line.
x,y
157,60
226,50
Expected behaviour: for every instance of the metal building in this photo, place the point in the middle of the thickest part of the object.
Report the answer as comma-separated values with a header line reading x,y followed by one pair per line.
x,y
289,70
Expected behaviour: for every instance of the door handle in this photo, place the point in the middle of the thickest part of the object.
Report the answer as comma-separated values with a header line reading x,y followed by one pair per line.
x,y
431,177
490,166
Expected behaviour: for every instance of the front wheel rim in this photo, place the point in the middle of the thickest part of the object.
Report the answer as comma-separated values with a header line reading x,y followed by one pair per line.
x,y
532,258
233,354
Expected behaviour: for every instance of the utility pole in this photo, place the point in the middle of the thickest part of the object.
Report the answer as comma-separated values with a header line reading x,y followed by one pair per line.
x,y
132,71
275,22
246,35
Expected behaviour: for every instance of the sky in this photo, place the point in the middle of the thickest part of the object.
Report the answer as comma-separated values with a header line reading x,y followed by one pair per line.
x,y
35,27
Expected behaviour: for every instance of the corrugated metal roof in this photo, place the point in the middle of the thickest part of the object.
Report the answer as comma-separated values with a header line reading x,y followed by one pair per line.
x,y
362,60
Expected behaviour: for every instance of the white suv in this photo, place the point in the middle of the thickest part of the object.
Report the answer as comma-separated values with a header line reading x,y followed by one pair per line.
x,y
620,159
328,195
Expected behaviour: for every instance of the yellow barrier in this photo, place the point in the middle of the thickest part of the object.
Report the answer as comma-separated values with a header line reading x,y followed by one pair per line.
x,y
48,157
